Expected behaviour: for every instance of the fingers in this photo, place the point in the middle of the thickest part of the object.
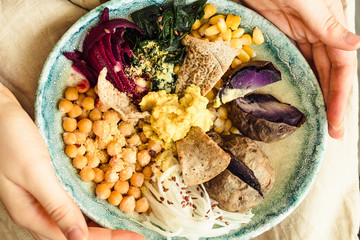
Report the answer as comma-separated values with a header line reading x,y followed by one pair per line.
x,y
323,67
26,211
325,26
96,233
44,186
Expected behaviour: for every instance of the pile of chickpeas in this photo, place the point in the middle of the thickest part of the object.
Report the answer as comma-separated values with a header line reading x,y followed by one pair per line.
x,y
218,27
114,154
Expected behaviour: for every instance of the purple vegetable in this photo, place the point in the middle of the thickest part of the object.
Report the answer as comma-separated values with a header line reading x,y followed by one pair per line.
x,y
247,78
264,118
105,47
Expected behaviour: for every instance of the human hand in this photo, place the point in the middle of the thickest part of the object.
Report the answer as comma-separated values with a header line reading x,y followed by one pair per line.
x,y
318,27
28,187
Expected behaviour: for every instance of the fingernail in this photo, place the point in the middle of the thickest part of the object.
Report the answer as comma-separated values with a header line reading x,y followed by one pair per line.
x,y
75,234
351,38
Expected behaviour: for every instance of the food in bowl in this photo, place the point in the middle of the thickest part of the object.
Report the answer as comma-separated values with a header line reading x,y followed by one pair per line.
x,y
140,163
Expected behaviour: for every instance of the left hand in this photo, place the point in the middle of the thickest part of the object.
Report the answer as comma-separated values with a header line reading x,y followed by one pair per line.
x,y
318,27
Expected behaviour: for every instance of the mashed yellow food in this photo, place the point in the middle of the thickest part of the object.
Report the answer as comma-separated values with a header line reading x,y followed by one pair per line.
x,y
172,118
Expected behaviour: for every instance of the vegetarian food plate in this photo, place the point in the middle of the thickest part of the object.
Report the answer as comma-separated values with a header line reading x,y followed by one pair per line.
x,y
295,157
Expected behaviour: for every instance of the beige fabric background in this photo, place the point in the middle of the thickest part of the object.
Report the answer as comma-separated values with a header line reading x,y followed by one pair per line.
x,y
30,29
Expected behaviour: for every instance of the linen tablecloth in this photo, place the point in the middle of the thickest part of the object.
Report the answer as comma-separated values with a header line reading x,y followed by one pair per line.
x,y
331,210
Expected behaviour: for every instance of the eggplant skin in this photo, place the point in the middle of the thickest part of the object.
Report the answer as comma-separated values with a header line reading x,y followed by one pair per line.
x,y
260,129
230,191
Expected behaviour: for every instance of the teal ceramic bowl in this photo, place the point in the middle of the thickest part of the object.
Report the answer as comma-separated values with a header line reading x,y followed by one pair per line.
x,y
296,159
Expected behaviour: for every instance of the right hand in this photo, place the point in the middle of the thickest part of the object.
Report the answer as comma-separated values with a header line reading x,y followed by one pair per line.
x,y
29,188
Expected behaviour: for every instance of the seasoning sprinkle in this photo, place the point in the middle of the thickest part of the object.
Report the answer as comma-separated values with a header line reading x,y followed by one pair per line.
x,y
227,223
183,188
162,199
176,33
107,31
160,18
202,194
161,27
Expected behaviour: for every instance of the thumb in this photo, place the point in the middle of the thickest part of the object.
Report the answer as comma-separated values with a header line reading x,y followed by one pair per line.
x,y
43,185
324,24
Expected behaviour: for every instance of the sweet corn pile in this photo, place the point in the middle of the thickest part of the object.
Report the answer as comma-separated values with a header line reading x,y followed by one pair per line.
x,y
218,27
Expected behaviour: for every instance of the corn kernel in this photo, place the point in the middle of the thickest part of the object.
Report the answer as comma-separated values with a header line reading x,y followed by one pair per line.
x,y
210,95
221,25
249,51
209,11
257,36
236,43
229,20
236,62
243,56
227,125
196,25
202,28
234,130
205,39
235,23
195,34
238,33
219,125
176,69
222,112
245,39
226,36
210,31
212,38
214,20
217,39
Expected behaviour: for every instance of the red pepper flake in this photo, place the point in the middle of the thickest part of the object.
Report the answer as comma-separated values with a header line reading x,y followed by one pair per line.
x,y
161,27
107,31
227,223
183,181
192,215
187,192
152,153
213,206
157,166
162,182
162,199
183,188
168,202
181,33
206,216
173,178
194,207
182,202
160,8
160,18
244,224
187,198
176,33
177,185
194,198
166,189
208,211
198,188
202,194
183,206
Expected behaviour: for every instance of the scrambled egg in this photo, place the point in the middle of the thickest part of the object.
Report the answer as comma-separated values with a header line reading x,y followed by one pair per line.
x,y
172,118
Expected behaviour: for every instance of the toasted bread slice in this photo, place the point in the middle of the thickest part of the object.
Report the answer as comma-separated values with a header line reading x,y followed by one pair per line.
x,y
204,63
117,100
201,159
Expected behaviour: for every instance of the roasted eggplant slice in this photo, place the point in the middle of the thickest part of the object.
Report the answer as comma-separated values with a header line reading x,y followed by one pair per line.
x,y
249,162
245,79
262,117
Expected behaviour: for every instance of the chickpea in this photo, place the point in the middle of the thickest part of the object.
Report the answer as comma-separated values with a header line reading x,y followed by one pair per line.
x,y
93,161
69,138
88,103
147,171
114,148
87,174
95,114
75,112
103,191
81,149
154,145
143,137
101,106
143,157
85,125
99,175
71,94
116,164
80,161
129,155
71,151
115,198
137,179
138,167
91,93
80,137
122,186
65,106
134,141
126,128
69,124
83,86
126,173
142,205
80,99
111,176
134,191
109,184
84,114
127,204
111,116
101,128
